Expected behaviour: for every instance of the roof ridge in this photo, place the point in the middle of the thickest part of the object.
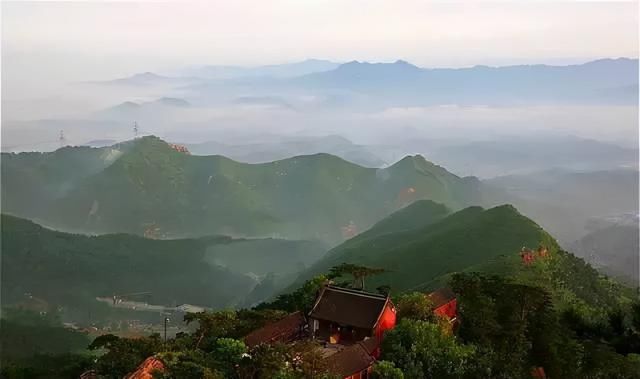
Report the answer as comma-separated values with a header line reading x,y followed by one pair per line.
x,y
384,308
357,292
318,297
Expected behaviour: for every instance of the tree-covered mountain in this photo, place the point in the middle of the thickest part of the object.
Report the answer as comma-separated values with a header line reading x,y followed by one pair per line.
x,y
421,246
71,270
269,151
147,186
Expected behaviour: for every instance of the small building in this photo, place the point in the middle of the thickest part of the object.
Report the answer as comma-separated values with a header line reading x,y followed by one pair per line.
x,y
179,148
444,303
346,316
355,361
290,328
529,256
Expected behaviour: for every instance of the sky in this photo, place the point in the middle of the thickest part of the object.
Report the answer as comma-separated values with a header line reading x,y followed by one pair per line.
x,y
48,47
99,40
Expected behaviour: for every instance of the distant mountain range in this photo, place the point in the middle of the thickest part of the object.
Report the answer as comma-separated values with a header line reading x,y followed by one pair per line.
x,y
529,155
277,71
564,201
130,111
291,146
605,81
145,183
147,79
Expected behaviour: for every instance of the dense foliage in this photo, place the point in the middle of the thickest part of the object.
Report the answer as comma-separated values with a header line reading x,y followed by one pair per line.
x,y
36,345
421,258
214,350
422,350
507,329
518,327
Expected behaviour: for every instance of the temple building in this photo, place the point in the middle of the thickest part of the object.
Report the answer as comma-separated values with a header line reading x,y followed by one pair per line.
x,y
345,316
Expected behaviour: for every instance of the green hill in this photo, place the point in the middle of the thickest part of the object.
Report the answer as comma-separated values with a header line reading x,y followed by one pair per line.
x,y
145,184
30,181
71,270
473,239
418,214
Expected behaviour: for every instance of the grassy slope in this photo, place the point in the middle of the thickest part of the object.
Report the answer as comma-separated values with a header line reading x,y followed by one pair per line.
x,y
72,269
202,195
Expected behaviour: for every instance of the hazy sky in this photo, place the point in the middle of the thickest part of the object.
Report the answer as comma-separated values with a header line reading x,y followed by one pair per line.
x,y
88,39
46,45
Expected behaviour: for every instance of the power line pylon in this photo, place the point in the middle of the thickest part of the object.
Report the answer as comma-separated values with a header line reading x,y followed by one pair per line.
x,y
135,129
61,139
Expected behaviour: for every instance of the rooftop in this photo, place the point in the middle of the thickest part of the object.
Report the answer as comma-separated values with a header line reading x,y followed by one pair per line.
x,y
352,359
441,296
284,327
146,369
348,307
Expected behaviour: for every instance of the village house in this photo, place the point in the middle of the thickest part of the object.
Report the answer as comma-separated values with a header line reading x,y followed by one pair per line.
x,y
345,316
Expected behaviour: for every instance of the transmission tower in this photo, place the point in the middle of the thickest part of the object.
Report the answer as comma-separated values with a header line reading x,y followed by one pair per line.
x,y
61,139
135,129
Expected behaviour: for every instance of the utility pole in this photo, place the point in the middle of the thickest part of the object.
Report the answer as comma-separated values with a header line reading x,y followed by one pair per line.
x,y
166,320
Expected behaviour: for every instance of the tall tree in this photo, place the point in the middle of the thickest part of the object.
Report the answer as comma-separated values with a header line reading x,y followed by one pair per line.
x,y
358,273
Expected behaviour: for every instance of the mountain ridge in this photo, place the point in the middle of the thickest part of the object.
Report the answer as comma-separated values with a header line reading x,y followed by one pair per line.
x,y
433,244
150,182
